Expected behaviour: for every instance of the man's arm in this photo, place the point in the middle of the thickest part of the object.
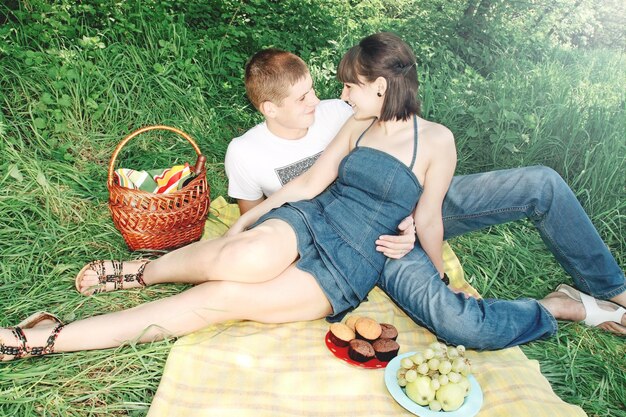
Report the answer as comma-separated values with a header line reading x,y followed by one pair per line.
x,y
245,205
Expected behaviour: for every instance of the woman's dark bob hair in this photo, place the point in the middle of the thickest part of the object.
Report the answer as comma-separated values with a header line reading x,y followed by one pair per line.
x,y
384,55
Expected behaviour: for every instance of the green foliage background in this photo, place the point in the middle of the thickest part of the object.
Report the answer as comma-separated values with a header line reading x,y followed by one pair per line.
x,y
518,83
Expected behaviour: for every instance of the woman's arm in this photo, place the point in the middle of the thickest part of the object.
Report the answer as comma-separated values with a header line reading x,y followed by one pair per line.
x,y
428,221
245,205
396,246
310,183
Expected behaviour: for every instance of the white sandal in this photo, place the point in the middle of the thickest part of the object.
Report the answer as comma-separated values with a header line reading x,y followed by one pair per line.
x,y
596,311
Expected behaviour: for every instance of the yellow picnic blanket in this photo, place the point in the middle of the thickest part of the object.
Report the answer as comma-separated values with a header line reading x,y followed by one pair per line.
x,y
243,369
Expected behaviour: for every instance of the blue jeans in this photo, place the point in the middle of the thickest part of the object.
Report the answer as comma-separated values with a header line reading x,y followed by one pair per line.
x,y
480,200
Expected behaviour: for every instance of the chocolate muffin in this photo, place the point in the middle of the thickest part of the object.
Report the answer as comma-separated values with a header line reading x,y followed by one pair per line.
x,y
385,349
361,351
389,331
367,329
340,334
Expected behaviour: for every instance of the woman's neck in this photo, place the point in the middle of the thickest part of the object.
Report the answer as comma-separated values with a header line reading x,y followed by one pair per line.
x,y
392,127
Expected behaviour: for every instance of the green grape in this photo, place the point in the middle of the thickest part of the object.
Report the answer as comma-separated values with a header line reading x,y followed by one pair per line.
x,y
434,405
418,358
445,367
434,383
458,365
441,364
454,377
423,368
434,345
406,363
411,375
433,364
429,354
453,353
443,379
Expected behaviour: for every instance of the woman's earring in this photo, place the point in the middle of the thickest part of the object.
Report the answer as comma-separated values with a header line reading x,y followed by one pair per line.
x,y
379,94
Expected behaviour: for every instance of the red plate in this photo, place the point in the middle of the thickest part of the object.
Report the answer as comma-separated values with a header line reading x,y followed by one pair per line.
x,y
342,353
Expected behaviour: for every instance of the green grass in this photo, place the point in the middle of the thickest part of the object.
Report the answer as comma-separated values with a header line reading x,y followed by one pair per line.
x,y
585,366
64,109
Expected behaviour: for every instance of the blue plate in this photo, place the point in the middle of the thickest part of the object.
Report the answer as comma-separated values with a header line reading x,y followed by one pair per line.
x,y
470,407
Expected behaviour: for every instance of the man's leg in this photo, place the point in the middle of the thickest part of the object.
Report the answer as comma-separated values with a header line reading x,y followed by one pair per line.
x,y
481,200
413,283
540,194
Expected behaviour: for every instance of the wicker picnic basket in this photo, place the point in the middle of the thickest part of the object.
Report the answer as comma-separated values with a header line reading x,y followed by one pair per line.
x,y
158,222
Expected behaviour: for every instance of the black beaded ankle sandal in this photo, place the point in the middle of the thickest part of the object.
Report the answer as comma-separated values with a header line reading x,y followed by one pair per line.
x,y
22,350
112,275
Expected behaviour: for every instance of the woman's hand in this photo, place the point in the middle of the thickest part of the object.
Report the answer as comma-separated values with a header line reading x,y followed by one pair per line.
x,y
467,295
396,247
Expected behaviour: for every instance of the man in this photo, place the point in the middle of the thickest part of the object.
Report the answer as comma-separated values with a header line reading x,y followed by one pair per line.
x,y
298,126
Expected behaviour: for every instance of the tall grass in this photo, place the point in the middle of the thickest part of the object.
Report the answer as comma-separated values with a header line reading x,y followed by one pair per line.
x,y
64,109
566,112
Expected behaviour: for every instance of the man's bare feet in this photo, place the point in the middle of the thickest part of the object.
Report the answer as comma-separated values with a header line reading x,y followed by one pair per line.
x,y
568,305
105,276
563,308
620,299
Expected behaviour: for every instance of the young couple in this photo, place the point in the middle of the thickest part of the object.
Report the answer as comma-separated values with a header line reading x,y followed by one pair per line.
x,y
313,247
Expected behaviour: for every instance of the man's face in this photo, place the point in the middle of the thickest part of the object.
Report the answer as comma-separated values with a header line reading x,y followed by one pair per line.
x,y
297,111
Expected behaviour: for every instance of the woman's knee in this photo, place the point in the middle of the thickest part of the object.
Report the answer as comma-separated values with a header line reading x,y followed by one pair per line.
x,y
248,252
263,250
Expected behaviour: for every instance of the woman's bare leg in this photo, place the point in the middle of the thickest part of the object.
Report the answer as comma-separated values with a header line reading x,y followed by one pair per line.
x,y
255,255
292,296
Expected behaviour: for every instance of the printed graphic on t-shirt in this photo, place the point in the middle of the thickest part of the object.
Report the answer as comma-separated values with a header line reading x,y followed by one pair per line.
x,y
291,171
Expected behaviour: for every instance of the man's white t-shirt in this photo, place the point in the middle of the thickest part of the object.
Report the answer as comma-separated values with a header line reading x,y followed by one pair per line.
x,y
259,163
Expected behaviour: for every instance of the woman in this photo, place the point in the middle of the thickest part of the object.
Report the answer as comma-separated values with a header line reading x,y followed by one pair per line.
x,y
291,258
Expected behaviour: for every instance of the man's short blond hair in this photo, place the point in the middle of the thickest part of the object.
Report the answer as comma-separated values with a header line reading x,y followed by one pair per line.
x,y
270,74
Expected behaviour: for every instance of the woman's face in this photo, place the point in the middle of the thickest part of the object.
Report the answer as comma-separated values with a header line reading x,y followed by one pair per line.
x,y
363,99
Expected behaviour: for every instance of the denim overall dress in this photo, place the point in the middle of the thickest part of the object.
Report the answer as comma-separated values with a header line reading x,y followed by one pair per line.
x,y
337,230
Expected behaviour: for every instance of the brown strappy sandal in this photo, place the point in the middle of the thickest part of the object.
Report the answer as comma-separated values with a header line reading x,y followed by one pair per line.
x,y
22,350
116,277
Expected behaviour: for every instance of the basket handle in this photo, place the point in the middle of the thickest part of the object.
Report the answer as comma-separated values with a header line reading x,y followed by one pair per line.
x,y
140,131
